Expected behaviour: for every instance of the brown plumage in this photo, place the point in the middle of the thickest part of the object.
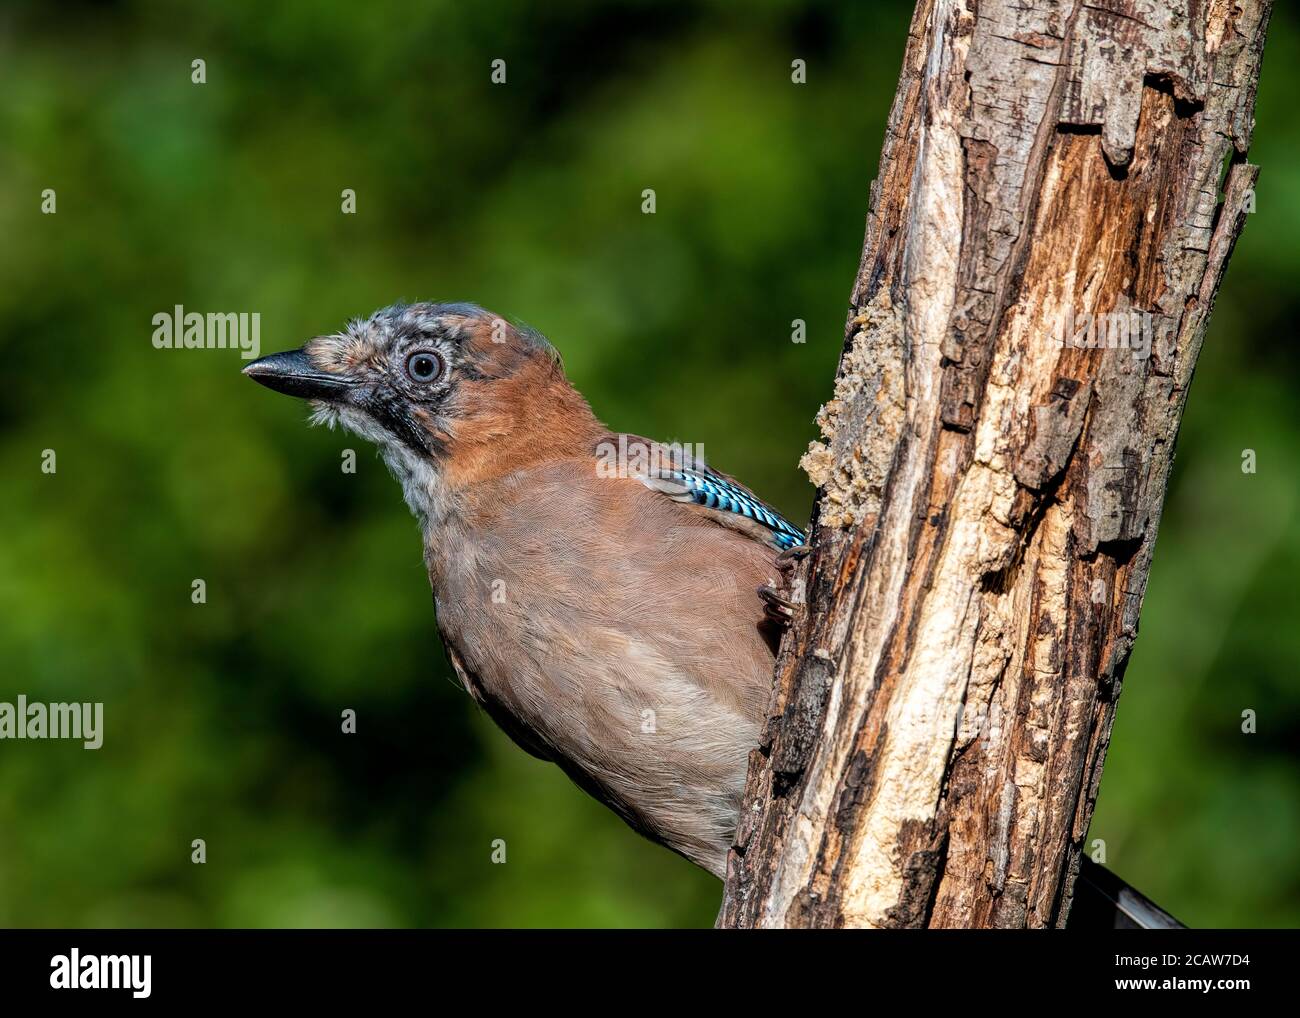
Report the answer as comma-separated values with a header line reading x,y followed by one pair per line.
x,y
601,623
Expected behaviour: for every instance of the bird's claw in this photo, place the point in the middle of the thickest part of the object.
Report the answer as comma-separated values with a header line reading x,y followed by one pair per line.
x,y
776,607
791,557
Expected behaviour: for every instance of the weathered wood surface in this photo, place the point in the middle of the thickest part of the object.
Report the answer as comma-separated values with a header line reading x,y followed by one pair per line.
x,y
993,472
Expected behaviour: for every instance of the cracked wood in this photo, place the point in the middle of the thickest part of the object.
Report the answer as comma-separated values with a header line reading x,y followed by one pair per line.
x,y
1045,239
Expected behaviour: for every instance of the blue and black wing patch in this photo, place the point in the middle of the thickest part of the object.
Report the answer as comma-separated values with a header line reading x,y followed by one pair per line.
x,y
693,482
737,506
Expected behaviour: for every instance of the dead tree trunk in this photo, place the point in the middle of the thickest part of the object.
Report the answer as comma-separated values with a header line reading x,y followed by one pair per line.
x,y
1043,248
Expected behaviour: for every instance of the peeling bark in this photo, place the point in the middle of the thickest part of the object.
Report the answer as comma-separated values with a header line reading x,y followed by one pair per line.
x,y
1043,248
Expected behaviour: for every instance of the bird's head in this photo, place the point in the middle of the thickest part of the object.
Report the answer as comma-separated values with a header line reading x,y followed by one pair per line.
x,y
449,392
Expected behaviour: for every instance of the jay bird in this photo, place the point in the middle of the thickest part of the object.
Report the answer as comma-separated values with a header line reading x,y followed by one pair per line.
x,y
622,623
608,620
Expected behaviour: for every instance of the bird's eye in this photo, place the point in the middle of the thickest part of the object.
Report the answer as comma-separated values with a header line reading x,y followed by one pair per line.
x,y
424,366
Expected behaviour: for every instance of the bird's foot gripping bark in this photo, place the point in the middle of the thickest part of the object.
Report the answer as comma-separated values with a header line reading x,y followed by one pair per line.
x,y
778,607
787,560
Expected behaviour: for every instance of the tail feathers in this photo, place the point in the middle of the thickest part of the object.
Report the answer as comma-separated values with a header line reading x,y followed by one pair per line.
x,y
1103,901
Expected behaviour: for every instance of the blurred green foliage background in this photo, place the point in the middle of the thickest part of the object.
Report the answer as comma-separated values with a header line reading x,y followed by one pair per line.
x,y
222,719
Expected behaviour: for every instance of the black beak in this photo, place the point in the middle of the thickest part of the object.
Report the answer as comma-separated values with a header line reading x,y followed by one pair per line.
x,y
293,374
